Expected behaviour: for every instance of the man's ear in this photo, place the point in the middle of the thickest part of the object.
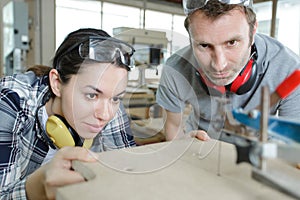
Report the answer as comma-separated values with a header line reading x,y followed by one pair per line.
x,y
55,82
254,30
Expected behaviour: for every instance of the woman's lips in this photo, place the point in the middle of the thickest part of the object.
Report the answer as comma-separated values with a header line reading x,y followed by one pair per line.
x,y
94,128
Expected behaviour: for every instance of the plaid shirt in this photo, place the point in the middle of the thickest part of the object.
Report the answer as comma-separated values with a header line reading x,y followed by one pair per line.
x,y
22,144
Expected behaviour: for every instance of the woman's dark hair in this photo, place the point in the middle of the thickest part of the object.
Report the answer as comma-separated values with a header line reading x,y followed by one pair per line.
x,y
214,9
39,70
67,60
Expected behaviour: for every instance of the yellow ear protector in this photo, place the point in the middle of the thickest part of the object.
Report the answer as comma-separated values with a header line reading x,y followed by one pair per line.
x,y
242,83
62,134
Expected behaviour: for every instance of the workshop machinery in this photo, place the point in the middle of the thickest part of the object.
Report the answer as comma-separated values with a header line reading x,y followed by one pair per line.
x,y
261,139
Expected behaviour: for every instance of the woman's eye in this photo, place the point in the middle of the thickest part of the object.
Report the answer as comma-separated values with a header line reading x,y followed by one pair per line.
x,y
116,99
91,96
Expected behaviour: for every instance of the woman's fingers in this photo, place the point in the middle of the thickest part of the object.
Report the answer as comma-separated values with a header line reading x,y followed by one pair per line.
x,y
77,153
59,170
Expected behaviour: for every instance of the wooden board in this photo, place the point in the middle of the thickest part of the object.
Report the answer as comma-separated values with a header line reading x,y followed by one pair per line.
x,y
181,169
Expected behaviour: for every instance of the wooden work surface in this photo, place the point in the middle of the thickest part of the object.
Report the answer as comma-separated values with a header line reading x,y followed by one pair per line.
x,y
182,169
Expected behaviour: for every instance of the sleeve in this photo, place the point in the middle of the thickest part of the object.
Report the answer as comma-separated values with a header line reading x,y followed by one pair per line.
x,y
117,133
12,183
286,62
168,92
290,107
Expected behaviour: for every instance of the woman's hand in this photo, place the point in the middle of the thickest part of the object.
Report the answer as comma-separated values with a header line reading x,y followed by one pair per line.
x,y
199,134
56,173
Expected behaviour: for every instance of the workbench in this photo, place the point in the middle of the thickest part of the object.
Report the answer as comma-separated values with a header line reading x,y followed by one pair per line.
x,y
137,102
181,169
148,131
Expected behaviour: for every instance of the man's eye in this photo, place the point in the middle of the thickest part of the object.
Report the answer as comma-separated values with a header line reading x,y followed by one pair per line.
x,y
204,45
91,96
232,43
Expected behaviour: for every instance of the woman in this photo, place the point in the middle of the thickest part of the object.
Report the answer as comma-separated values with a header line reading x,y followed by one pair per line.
x,y
81,94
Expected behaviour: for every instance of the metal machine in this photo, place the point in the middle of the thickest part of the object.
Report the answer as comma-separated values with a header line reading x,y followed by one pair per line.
x,y
149,46
264,141
15,36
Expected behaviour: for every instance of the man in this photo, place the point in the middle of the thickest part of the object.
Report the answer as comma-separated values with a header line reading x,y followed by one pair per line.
x,y
225,58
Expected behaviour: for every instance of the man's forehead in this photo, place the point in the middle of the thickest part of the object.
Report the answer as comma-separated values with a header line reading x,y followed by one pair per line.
x,y
232,17
230,27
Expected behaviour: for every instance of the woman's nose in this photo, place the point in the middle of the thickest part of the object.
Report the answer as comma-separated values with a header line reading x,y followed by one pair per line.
x,y
103,111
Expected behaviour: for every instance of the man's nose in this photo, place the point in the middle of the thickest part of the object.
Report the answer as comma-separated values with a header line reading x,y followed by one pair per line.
x,y
219,61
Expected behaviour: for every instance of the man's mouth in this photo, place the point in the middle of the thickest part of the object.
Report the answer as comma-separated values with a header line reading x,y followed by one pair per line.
x,y
219,75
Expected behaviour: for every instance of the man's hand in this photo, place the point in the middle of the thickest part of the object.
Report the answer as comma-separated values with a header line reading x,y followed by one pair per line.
x,y
58,172
199,134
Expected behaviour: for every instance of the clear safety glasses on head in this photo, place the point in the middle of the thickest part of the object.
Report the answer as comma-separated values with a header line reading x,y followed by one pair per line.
x,y
105,50
189,6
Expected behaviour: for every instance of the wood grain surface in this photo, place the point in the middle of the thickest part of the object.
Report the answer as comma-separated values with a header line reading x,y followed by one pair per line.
x,y
181,169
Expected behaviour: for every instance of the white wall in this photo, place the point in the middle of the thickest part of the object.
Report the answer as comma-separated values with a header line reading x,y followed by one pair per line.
x,y
288,17
41,31
289,25
2,4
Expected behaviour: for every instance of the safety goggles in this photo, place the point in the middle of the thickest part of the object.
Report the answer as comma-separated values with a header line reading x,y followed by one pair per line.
x,y
104,50
189,6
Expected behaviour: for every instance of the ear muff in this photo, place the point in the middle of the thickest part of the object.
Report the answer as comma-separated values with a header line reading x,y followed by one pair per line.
x,y
240,85
245,80
62,134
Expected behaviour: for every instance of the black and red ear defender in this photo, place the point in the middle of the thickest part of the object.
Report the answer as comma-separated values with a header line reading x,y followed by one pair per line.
x,y
240,85
62,134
